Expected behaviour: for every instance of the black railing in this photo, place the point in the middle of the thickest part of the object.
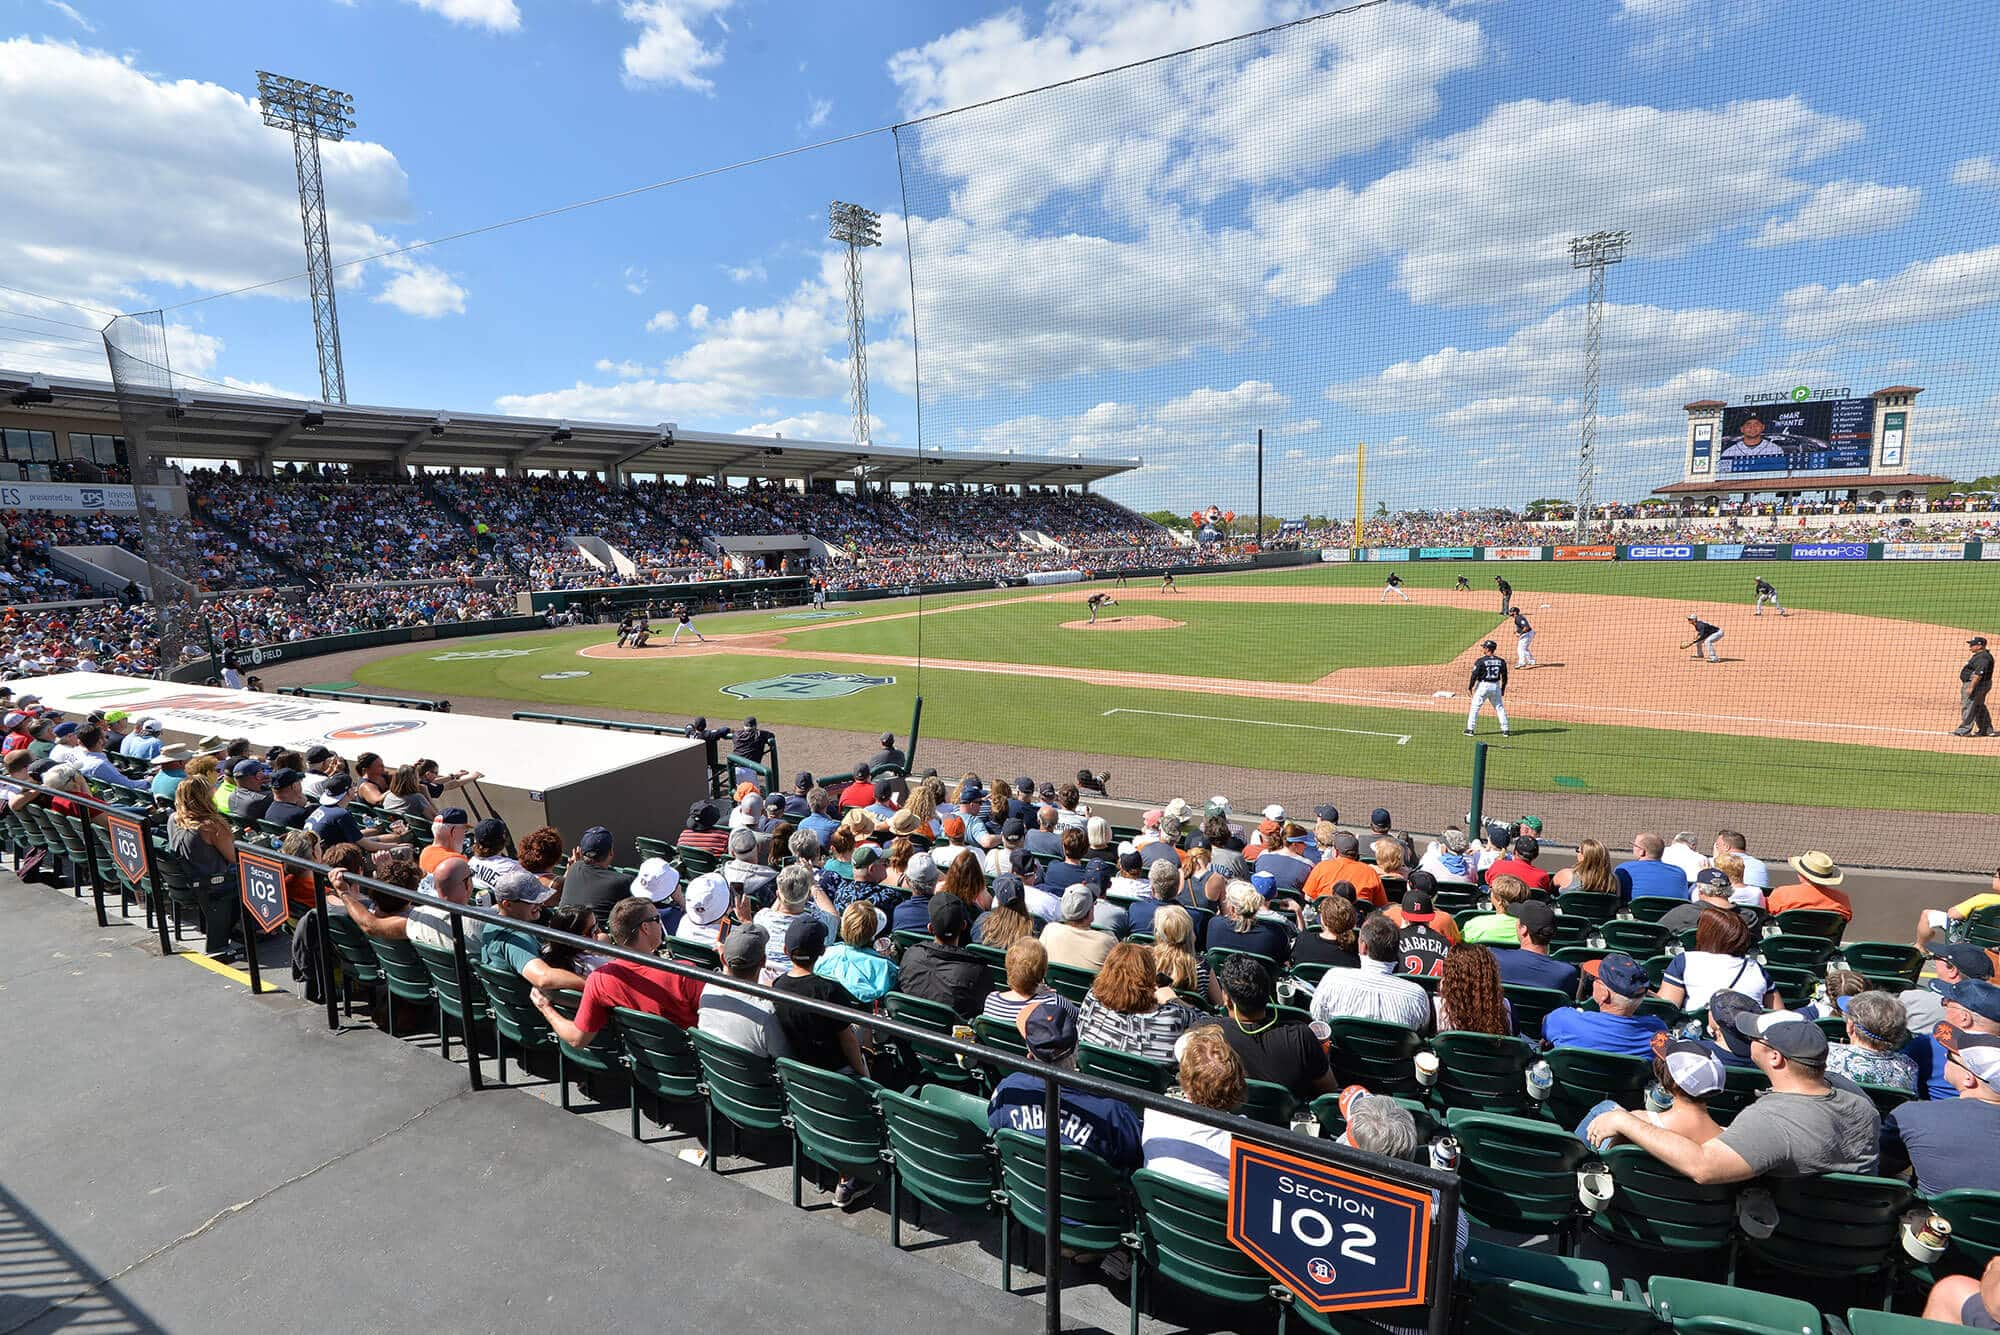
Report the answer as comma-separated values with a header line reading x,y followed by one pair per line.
x,y
721,768
1054,1079
368,698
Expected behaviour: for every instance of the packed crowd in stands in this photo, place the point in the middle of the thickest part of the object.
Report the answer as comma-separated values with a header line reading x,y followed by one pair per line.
x,y
1212,946
346,531
26,575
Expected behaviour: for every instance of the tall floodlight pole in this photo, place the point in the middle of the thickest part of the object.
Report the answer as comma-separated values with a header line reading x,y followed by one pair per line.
x,y
857,228
1593,252
313,113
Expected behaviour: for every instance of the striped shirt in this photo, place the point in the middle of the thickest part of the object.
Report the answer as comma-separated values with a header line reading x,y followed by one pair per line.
x,y
1372,992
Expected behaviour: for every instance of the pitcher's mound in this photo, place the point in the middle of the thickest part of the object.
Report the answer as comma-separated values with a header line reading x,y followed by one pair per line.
x,y
1138,622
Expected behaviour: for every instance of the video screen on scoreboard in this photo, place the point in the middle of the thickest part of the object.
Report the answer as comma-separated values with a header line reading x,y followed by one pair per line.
x,y
1830,435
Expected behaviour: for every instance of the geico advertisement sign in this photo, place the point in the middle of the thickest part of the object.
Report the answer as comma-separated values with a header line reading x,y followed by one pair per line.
x,y
1659,553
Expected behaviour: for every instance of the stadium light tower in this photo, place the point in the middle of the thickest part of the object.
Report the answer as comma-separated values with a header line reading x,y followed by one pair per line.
x,y
1594,252
313,113
857,228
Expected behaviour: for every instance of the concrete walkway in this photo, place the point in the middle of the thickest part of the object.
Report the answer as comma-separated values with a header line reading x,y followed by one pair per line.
x,y
178,1156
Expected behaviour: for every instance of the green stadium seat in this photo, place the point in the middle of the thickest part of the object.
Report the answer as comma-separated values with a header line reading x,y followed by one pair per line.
x,y
1094,1208
1740,1087
658,1057
1655,1209
940,1152
739,1085
1975,1229
1586,1077
1588,905
1070,981
1516,1173
515,1019
1796,950
1823,923
1532,1005
407,978
1982,927
1840,1227
442,966
604,1059
1868,1321
1266,1102
1125,1067
834,1123
1484,1071
933,1064
1890,965
1510,1290
1652,908
1183,1239
1377,1055
694,952
1693,1306
1636,938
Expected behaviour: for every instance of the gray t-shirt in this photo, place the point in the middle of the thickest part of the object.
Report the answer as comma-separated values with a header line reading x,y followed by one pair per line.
x,y
748,1022
1801,1135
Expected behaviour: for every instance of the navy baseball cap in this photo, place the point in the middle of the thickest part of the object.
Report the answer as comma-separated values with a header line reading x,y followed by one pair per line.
x,y
1328,812
1013,828
949,918
449,816
1981,998
1007,888
285,778
1788,1031
1726,1008
246,769
1379,816
1050,1029
596,842
805,939
1621,973
1969,959
1710,876
490,831
65,729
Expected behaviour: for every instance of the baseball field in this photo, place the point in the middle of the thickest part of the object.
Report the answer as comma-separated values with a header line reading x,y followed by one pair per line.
x,y
1846,703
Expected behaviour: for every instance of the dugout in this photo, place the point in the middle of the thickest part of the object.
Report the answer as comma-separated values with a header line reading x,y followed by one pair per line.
x,y
535,773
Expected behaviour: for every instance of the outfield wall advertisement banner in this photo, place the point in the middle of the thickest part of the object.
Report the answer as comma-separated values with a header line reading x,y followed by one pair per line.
x,y
1586,553
1814,436
1447,553
1332,555
1512,553
1829,551
1680,552
1923,551
1388,553
1766,551
1989,551
1722,551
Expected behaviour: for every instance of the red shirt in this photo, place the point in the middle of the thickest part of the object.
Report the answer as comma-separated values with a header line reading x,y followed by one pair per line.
x,y
713,840
637,988
860,793
1532,877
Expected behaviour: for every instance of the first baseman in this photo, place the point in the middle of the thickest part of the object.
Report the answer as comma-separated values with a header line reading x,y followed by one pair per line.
x,y
1707,636
1523,655
1767,594
1488,682
1394,584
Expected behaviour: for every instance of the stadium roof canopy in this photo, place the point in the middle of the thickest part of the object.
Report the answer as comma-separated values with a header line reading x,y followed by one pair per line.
x,y
249,428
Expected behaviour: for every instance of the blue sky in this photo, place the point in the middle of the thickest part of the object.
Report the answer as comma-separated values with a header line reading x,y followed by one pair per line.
x,y
1349,230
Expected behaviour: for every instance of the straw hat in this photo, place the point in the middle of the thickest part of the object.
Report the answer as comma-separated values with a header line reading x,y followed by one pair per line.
x,y
1817,867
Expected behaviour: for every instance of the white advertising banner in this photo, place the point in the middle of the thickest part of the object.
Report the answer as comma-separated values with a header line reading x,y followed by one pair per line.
x,y
527,756
1334,554
1923,551
68,496
1512,553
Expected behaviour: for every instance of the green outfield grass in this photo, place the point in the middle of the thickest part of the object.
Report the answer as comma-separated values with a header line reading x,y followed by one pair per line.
x,y
1947,593
1098,722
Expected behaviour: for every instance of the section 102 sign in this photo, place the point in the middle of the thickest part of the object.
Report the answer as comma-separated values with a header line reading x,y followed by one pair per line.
x,y
1340,1240
263,887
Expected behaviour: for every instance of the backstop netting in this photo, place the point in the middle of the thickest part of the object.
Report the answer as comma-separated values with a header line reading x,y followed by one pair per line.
x,y
1320,278
149,413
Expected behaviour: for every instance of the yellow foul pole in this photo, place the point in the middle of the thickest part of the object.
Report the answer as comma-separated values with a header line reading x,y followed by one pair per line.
x,y
1360,491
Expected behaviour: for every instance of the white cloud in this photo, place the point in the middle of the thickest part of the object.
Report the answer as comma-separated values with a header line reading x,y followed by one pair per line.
x,y
206,194
636,280
814,425
493,15
1305,426
1667,28
746,273
1842,209
1483,216
1924,292
1245,407
662,321
697,316
668,50
422,290
1190,128
1543,360
817,110
69,12
627,370
1981,170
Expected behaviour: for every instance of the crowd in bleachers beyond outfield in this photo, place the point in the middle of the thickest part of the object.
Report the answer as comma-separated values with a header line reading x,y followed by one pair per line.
x,y
1696,1012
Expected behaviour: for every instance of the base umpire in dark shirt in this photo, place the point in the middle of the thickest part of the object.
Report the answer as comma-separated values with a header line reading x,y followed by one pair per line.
x,y
1975,680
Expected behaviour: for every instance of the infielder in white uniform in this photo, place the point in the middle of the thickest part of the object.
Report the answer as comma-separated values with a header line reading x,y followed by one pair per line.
x,y
1488,682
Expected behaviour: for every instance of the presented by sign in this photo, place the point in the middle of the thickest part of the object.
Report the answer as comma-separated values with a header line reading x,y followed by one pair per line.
x,y
1341,1240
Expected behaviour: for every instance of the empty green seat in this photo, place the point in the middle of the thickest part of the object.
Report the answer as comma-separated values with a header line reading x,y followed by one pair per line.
x,y
658,1057
833,1121
1691,1305
1484,1071
1516,1173
940,1151
740,1085
1183,1234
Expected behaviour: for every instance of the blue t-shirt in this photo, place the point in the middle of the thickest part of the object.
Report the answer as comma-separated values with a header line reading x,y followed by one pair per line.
x,y
1107,1128
1287,872
1060,876
1525,968
1637,878
1950,1144
912,915
1631,1035
1264,938
822,828
1930,1057
1139,915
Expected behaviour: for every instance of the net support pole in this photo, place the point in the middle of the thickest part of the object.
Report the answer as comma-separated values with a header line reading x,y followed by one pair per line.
x,y
1260,487
1475,814
1360,491
916,729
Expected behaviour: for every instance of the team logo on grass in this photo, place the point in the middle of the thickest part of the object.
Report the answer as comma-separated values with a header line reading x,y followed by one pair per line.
x,y
464,655
562,676
806,686
814,616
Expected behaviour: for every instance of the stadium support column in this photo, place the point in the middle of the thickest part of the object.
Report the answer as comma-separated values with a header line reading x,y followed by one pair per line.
x,y
313,113
857,228
1594,252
